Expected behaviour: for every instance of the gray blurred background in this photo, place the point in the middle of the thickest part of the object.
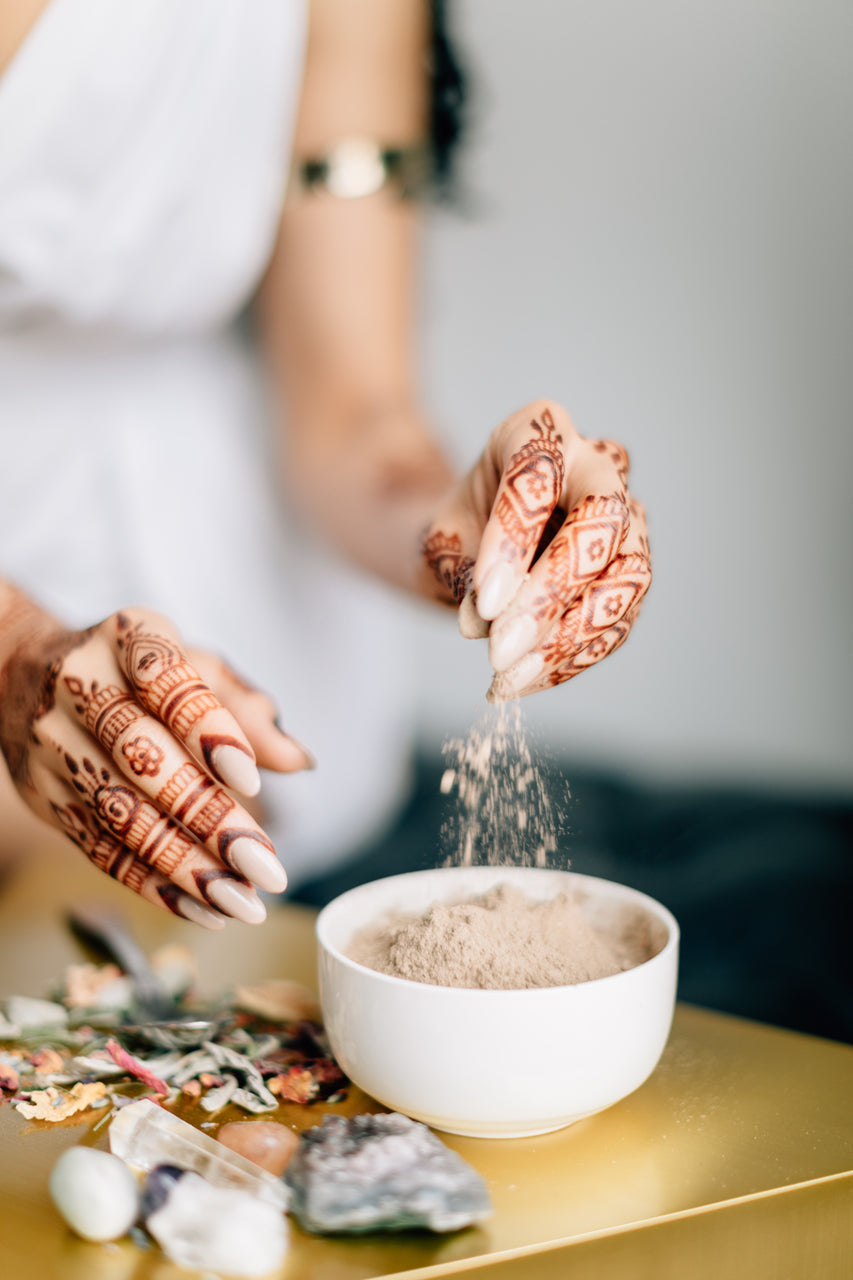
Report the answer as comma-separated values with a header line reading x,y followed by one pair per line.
x,y
660,203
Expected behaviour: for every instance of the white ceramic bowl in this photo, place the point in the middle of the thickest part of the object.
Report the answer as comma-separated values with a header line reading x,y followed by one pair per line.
x,y
494,1064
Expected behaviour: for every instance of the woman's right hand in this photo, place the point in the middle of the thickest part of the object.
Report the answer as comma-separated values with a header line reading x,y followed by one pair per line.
x,y
112,735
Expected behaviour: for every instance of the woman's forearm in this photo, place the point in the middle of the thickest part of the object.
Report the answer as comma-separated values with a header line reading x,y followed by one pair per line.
x,y
369,479
337,309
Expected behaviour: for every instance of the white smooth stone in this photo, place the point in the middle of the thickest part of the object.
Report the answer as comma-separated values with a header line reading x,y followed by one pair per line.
x,y
215,1229
96,1194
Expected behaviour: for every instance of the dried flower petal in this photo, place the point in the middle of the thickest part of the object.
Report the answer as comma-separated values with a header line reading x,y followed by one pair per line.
x,y
295,1085
328,1076
136,1068
53,1104
45,1061
9,1078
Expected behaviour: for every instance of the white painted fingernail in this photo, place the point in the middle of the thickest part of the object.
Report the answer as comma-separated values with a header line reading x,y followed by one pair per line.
x,y
514,682
471,625
512,641
496,590
237,900
237,770
257,864
192,909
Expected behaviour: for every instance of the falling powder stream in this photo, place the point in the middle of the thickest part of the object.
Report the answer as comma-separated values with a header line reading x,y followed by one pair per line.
x,y
501,812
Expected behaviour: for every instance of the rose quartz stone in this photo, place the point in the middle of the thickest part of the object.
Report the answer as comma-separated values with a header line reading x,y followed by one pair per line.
x,y
264,1142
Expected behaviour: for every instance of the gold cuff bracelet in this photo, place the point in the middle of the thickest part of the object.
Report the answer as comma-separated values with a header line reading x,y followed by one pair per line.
x,y
356,167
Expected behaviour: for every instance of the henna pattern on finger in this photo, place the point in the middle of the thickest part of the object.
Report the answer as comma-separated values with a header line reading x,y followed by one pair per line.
x,y
443,554
227,838
196,802
601,647
210,742
638,519
109,713
172,895
617,455
104,851
530,488
143,756
189,802
601,610
204,879
165,682
153,837
28,691
590,538
553,525
106,711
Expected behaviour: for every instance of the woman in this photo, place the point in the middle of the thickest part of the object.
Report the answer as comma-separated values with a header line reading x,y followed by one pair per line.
x,y
143,202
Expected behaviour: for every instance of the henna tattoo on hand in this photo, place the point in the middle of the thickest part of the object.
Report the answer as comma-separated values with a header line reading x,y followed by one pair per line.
x,y
638,517
162,677
204,879
226,839
117,822
196,802
211,742
617,455
443,554
143,756
108,854
530,489
154,838
172,895
587,543
106,712
606,608
28,682
601,647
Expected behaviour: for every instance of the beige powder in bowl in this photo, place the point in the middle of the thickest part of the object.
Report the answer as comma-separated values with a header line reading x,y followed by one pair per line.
x,y
504,940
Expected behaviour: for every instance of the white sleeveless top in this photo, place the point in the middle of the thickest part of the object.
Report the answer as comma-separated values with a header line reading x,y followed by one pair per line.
x,y
144,147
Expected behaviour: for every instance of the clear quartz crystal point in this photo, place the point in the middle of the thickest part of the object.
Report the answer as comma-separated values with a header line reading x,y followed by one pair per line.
x,y
145,1135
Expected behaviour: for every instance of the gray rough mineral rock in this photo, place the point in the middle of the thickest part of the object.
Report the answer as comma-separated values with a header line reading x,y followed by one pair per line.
x,y
215,1229
382,1173
96,1194
145,1135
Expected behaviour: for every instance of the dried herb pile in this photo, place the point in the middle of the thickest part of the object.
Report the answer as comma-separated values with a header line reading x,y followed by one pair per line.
x,y
86,1049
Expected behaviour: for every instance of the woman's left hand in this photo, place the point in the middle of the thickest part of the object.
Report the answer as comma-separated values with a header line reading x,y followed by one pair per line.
x,y
543,539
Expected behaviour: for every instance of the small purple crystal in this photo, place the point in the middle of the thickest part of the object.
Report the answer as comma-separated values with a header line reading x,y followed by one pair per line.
x,y
158,1187
381,1173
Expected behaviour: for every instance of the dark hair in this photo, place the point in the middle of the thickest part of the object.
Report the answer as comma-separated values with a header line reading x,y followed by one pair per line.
x,y
448,96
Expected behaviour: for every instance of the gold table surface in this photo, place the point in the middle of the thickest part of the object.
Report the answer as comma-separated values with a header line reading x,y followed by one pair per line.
x,y
735,1158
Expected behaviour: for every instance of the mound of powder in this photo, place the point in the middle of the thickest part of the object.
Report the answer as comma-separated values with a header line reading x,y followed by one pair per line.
x,y
502,940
